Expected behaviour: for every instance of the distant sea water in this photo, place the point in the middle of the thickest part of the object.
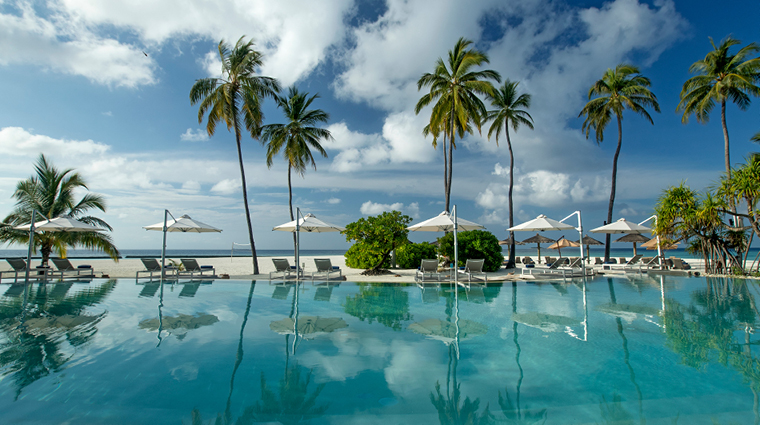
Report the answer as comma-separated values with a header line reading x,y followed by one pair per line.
x,y
180,253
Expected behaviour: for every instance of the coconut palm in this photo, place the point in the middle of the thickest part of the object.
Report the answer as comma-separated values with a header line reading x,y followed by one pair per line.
x,y
236,96
454,87
51,193
296,138
619,89
721,77
756,138
510,111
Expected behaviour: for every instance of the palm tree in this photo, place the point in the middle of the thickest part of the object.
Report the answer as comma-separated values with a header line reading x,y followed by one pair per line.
x,y
620,88
51,193
236,96
296,138
508,112
454,87
721,77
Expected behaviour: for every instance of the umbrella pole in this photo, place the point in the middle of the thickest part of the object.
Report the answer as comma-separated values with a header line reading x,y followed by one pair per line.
x,y
456,253
29,253
163,249
538,244
298,257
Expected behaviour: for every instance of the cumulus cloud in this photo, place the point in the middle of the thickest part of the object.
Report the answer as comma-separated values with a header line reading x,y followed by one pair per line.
x,y
333,201
15,141
196,135
226,187
373,208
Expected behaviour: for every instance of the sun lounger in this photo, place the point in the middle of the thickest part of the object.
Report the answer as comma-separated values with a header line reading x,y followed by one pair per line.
x,y
679,264
19,267
195,271
474,268
598,261
325,267
66,269
281,265
153,266
544,269
429,269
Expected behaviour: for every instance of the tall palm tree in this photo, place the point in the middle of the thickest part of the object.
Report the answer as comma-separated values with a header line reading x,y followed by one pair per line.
x,y
296,138
454,87
619,89
51,193
236,96
510,111
721,77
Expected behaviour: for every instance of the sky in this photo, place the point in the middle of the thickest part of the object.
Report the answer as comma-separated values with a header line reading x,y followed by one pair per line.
x,y
102,86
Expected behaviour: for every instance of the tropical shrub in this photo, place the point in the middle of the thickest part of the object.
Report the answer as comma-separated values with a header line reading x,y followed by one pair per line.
x,y
375,238
409,256
474,244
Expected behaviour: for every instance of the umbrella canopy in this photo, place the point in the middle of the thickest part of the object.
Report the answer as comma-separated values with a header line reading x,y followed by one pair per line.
x,y
635,238
61,224
509,241
309,223
588,240
622,226
183,224
444,223
545,322
538,240
540,223
563,243
308,326
652,245
448,332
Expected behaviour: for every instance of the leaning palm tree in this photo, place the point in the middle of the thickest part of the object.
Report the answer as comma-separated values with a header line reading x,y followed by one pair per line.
x,y
296,138
721,77
510,111
51,193
619,89
236,96
454,87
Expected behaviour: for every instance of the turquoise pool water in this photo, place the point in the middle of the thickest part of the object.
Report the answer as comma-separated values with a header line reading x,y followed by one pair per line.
x,y
642,350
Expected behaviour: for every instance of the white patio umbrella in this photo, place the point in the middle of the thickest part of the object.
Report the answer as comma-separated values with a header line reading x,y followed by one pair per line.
x,y
57,224
183,224
543,222
622,226
306,223
445,222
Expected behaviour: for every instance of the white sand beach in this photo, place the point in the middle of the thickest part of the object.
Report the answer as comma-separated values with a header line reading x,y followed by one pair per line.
x,y
241,268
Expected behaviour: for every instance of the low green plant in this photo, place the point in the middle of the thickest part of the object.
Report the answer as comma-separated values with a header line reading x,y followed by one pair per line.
x,y
474,244
410,256
374,238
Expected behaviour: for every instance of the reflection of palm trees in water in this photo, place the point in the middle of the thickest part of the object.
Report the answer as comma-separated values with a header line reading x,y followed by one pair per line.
x,y
35,329
626,355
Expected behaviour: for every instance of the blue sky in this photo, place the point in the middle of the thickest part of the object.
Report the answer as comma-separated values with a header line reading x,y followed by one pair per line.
x,y
77,86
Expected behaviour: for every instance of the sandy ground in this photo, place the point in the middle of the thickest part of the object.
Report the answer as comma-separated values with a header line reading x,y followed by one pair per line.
x,y
242,268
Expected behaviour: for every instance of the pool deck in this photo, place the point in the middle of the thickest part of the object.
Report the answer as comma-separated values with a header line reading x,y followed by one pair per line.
x,y
240,268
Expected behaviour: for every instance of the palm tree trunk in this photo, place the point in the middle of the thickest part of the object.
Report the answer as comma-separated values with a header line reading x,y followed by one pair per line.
x,y
612,189
511,262
731,201
290,204
445,169
254,259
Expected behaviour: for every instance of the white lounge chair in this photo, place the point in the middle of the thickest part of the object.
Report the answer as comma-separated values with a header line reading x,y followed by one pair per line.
x,y
153,266
473,268
66,269
325,267
281,265
429,269
193,270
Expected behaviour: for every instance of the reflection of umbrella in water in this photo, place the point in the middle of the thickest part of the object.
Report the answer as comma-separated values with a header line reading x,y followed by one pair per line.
x,y
538,240
308,326
180,322
563,243
43,325
635,238
628,312
447,332
545,322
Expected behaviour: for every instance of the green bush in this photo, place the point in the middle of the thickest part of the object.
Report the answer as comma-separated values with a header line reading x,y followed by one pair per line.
x,y
475,244
359,256
374,238
409,256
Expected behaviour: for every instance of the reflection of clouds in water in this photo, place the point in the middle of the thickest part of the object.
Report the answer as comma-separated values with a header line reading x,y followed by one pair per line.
x,y
185,372
354,356
415,367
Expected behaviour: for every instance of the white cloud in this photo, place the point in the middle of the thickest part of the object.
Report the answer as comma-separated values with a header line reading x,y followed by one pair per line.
x,y
107,113
373,208
333,201
67,45
15,141
226,187
197,135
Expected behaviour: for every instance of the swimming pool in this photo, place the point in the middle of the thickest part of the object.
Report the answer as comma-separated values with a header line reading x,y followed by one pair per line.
x,y
115,352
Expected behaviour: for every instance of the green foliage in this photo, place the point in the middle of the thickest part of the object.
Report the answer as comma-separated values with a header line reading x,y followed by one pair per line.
x,y
410,256
474,244
386,304
375,237
51,193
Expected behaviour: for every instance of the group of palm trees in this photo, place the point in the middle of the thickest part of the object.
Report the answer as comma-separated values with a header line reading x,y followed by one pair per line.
x,y
238,96
456,88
